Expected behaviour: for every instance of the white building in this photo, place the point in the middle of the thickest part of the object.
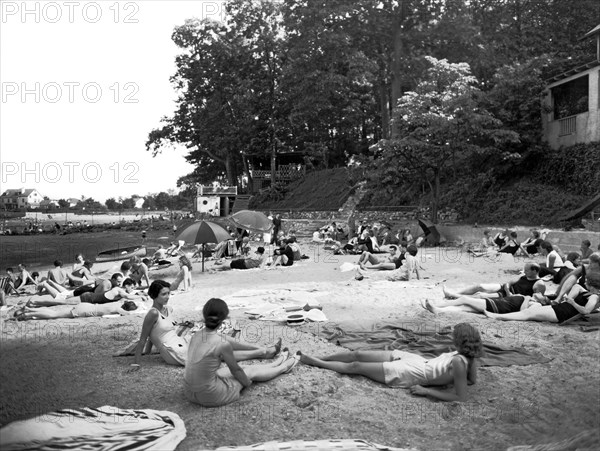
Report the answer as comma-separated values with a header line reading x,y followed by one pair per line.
x,y
15,199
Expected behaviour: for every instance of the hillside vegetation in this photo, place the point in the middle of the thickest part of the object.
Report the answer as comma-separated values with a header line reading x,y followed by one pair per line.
x,y
319,190
537,190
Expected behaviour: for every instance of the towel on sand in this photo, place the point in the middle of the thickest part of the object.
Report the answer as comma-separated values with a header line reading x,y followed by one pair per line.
x,y
426,339
104,428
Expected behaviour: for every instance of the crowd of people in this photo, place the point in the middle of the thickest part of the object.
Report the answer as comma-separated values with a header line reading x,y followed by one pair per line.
x,y
213,376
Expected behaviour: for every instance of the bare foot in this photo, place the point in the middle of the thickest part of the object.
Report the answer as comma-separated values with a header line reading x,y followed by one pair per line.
x,y
292,361
273,350
448,294
307,360
285,354
429,306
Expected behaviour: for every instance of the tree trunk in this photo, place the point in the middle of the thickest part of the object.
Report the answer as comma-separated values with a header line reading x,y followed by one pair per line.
x,y
229,171
397,73
273,159
435,198
385,110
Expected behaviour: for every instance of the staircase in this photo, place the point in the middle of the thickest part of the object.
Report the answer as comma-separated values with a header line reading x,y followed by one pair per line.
x,y
241,203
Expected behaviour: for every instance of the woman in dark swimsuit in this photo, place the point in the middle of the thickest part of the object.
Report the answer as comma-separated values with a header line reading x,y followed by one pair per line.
x,y
579,300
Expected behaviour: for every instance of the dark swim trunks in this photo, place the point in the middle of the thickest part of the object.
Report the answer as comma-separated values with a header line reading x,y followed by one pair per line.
x,y
507,304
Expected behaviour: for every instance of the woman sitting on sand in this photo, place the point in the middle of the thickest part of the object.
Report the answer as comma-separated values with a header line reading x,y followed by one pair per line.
x,y
579,300
511,246
406,370
205,382
554,263
160,331
184,276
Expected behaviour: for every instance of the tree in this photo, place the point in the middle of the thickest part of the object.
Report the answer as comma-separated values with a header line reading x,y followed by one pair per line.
x,y
62,203
442,124
112,204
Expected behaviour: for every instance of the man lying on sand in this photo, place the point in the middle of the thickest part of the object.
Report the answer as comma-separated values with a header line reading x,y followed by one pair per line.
x,y
523,285
503,304
580,300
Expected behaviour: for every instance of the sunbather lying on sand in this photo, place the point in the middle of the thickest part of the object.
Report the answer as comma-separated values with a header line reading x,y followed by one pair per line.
x,y
503,304
159,330
77,311
406,370
116,293
523,285
579,300
258,261
407,270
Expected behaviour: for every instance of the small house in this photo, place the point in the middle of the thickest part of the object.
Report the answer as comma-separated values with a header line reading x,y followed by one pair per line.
x,y
573,101
16,199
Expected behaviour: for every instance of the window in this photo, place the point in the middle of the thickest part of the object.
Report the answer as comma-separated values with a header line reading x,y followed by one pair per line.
x,y
571,98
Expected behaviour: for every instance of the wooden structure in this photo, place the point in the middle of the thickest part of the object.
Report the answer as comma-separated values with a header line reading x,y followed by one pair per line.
x,y
573,101
215,200
290,166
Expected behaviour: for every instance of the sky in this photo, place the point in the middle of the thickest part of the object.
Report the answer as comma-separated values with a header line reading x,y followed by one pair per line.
x,y
82,85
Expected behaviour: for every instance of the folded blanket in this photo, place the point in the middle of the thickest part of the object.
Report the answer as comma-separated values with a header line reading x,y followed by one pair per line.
x,y
426,339
103,428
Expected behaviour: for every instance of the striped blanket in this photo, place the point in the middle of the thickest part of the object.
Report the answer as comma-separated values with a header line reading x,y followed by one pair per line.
x,y
103,428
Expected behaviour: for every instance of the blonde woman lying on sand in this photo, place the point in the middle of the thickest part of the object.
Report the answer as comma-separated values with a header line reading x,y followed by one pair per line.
x,y
406,370
205,381
159,330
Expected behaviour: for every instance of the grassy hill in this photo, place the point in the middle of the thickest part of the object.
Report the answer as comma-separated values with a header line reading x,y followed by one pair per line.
x,y
320,190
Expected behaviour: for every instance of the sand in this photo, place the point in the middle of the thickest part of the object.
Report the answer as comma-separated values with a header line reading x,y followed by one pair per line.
x,y
49,365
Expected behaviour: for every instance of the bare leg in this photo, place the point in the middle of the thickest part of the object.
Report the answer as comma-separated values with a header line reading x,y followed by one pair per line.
x,y
359,356
474,303
263,373
544,313
372,370
244,351
473,289
46,313
381,266
49,301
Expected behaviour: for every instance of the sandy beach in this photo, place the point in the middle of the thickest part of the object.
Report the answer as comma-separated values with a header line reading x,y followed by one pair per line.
x,y
49,365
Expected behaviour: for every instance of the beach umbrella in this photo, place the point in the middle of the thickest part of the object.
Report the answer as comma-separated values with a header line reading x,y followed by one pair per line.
x,y
251,220
204,232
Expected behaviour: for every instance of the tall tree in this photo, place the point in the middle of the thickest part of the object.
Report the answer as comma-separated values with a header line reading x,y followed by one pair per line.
x,y
442,124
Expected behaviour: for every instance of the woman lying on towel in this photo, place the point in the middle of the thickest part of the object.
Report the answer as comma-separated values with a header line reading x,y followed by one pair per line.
x,y
159,330
76,311
579,300
406,370
205,382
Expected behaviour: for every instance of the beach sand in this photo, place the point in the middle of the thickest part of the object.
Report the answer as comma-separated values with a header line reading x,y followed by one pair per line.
x,y
49,365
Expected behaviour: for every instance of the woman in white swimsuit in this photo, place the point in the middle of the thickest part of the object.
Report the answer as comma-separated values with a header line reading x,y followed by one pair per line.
x,y
159,330
406,370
